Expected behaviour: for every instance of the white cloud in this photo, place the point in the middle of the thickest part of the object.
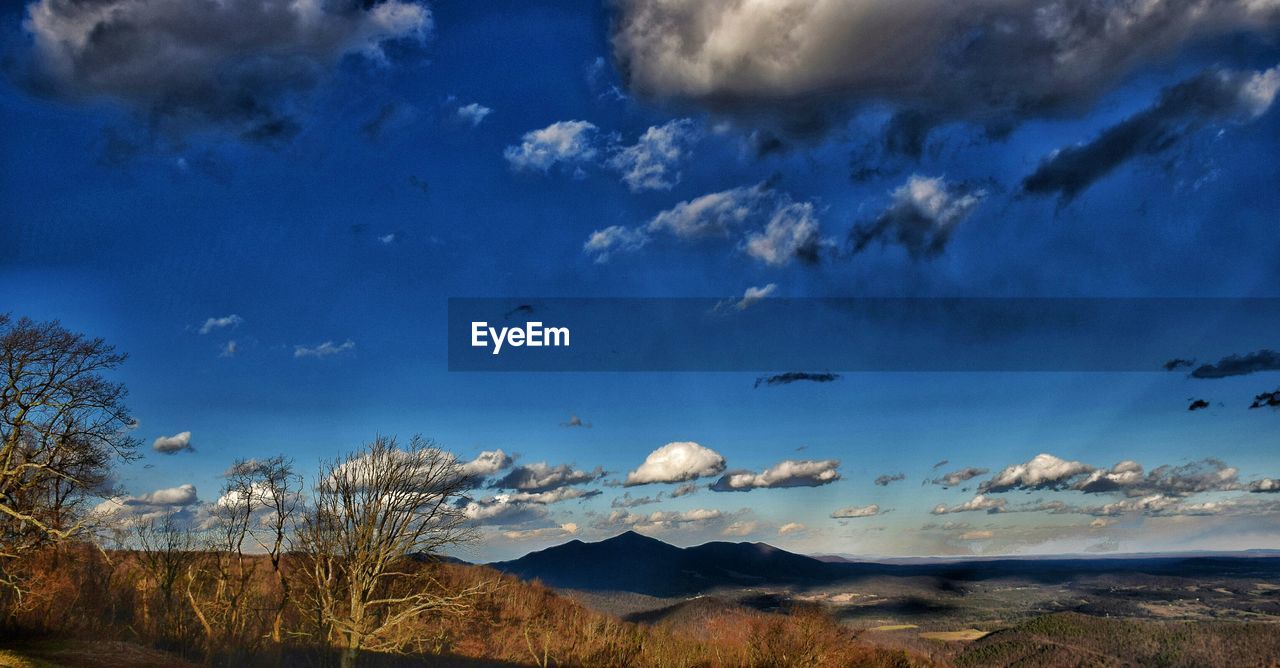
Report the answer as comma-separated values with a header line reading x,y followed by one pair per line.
x,y
766,224
614,239
678,461
977,503
228,349
661,519
563,531
324,349
740,528
211,324
169,445
712,215
1044,471
568,142
652,162
387,238
753,295
181,501
856,511
787,473
792,528
1265,485
486,464
792,232
473,113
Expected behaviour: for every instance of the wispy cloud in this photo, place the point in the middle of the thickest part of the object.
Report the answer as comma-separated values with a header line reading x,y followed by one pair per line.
x,y
226,321
325,349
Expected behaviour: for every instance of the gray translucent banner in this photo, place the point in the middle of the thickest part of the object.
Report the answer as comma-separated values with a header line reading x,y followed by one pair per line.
x,y
849,335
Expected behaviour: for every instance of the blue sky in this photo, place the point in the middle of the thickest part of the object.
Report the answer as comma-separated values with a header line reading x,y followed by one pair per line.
x,y
136,205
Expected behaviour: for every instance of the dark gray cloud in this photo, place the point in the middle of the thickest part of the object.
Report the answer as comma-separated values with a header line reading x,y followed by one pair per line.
x,y
886,479
542,477
1213,95
239,66
954,478
628,501
1240,365
795,377
800,67
1197,405
1266,400
921,217
1178,363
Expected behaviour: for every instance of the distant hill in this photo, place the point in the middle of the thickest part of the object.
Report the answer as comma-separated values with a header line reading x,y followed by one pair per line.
x,y
635,563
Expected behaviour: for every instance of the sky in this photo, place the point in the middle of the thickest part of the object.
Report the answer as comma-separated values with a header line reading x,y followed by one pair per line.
x,y
268,204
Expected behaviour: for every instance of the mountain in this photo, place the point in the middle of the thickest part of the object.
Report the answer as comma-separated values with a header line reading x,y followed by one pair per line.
x,y
636,563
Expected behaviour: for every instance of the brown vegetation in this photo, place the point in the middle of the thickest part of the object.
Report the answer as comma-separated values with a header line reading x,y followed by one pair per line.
x,y
118,596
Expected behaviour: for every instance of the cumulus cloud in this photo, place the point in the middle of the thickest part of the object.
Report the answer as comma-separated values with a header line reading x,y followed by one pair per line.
x,y
979,503
954,478
542,477
1124,474
473,114
171,445
211,324
1044,471
921,217
802,66
190,65
502,511
678,461
564,142
325,349
1240,365
884,480
856,511
761,222
182,502
487,463
1214,95
795,377
1265,486
787,473
653,162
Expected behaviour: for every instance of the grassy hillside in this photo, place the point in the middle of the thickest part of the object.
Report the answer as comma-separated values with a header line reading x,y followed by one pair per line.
x,y
1072,639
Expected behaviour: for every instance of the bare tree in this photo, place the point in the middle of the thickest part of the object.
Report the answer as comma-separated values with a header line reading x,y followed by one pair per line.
x,y
62,425
165,551
374,514
274,492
